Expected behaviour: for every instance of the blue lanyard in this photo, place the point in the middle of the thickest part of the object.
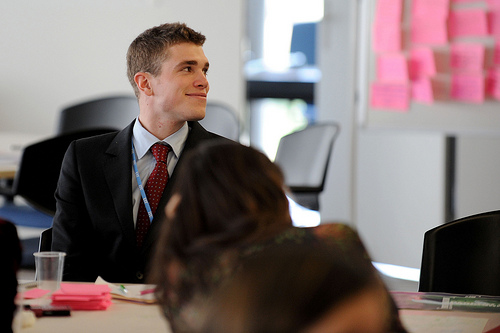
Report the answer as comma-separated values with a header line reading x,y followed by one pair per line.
x,y
141,188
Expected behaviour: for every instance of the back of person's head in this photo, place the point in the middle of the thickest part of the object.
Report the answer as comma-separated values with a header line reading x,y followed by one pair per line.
x,y
225,193
150,49
296,288
10,260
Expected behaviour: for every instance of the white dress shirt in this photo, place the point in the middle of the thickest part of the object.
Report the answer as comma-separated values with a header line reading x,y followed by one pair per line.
x,y
143,140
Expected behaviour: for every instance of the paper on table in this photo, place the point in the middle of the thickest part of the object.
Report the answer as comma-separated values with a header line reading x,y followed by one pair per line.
x,y
440,324
133,293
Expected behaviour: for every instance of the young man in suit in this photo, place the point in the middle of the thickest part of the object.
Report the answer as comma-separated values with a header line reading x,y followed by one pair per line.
x,y
98,194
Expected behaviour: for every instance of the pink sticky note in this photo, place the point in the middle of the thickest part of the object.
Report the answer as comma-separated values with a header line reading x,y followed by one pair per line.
x,y
392,68
493,4
468,22
390,96
35,293
467,57
468,88
496,54
421,63
388,11
426,31
421,91
387,37
82,289
493,83
494,23
430,9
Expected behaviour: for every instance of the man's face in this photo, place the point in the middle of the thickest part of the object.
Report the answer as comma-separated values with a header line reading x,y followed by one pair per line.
x,y
181,89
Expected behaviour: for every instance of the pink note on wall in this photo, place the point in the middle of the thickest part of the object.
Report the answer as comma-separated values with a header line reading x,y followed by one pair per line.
x,y
493,4
468,22
421,63
388,11
494,23
421,91
425,31
387,37
392,68
430,9
467,57
390,96
468,88
496,54
493,83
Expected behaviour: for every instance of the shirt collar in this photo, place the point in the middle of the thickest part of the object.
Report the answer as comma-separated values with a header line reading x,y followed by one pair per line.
x,y
143,139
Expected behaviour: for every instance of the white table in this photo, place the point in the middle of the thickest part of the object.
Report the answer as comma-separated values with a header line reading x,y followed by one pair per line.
x,y
121,317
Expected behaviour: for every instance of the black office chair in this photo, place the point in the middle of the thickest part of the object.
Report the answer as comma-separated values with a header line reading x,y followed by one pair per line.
x,y
45,243
222,120
304,157
114,112
36,178
463,256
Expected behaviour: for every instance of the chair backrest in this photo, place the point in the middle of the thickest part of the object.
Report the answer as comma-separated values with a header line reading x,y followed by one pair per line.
x,y
114,112
304,157
38,172
463,256
222,120
45,243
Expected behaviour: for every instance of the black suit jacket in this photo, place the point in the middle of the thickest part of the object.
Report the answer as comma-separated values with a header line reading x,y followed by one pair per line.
x,y
94,223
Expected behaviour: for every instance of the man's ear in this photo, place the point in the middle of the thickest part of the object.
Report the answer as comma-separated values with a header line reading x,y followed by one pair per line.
x,y
143,82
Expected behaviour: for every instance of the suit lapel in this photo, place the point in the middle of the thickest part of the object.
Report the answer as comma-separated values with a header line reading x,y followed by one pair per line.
x,y
118,173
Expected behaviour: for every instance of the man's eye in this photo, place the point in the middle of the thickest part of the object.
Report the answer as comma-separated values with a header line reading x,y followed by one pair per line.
x,y
187,69
205,71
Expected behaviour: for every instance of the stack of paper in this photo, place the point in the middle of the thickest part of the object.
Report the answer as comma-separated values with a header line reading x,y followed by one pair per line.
x,y
81,296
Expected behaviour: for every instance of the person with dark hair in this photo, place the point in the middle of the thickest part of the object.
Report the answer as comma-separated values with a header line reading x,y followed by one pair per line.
x,y
113,188
10,261
229,204
295,288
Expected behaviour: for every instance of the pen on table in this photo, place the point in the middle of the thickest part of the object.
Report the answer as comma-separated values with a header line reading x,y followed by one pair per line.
x,y
147,291
123,289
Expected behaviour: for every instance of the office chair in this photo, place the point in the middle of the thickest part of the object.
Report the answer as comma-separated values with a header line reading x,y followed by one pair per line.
x,y
38,172
222,120
114,112
45,243
304,157
463,256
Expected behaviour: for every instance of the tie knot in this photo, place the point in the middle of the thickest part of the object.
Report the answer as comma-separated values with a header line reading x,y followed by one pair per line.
x,y
160,152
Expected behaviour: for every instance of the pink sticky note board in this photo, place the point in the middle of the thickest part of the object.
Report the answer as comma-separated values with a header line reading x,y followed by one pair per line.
x,y
387,37
390,96
388,12
430,9
421,91
392,68
467,57
493,83
421,63
468,22
428,32
468,88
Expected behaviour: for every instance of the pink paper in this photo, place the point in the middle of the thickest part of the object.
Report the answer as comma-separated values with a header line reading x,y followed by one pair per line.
x,y
493,86
82,289
390,96
426,31
387,37
467,57
392,68
388,12
494,23
35,293
421,91
421,63
493,4
468,22
496,54
430,9
468,88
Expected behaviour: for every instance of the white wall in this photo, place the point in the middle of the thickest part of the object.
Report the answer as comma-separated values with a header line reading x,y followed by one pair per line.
x,y
57,52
